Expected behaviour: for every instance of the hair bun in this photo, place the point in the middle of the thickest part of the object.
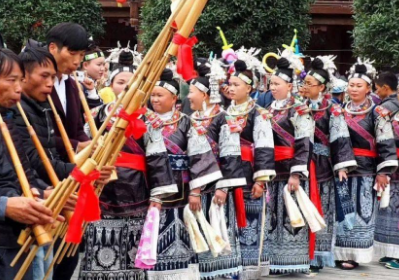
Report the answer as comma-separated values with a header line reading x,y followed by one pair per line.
x,y
361,69
167,75
317,64
202,66
283,63
240,66
126,58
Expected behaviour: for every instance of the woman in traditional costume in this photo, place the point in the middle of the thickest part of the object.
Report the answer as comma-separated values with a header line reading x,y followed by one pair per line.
x,y
386,239
374,148
211,120
332,154
257,150
194,167
287,247
112,243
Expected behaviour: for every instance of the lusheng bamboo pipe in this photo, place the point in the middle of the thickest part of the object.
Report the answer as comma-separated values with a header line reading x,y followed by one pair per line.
x,y
61,128
39,147
86,108
42,236
149,72
140,74
46,162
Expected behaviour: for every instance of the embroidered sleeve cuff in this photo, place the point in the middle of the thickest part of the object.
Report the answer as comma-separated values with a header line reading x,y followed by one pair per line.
x,y
262,173
387,163
204,180
3,206
228,183
302,169
350,165
164,191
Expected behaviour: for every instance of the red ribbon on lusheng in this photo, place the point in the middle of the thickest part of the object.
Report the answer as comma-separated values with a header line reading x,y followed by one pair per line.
x,y
185,60
87,207
136,126
316,200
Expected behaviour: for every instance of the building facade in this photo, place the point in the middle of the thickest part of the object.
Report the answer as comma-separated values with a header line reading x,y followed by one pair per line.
x,y
331,25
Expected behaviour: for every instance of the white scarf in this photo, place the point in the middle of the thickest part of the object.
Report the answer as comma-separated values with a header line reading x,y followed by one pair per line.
x,y
218,223
198,242
213,241
384,196
312,215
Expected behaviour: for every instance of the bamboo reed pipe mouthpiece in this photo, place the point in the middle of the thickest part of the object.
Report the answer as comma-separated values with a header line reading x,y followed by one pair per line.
x,y
86,108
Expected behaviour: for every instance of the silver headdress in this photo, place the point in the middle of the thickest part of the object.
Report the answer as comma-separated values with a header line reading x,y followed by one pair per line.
x,y
363,69
217,73
249,56
328,66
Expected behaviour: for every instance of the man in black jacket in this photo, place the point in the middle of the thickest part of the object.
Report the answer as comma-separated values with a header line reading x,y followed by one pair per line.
x,y
14,209
68,43
40,71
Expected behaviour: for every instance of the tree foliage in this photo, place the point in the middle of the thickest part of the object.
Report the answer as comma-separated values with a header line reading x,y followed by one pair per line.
x,y
376,32
265,24
21,20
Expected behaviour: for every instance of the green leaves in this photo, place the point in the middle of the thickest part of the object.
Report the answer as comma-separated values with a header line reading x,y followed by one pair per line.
x,y
265,24
376,31
21,20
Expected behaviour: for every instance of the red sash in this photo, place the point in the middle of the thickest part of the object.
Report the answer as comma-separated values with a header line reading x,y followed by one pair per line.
x,y
132,161
247,154
364,153
397,152
283,153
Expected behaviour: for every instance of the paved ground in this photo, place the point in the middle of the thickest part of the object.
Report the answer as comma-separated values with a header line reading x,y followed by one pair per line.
x,y
373,271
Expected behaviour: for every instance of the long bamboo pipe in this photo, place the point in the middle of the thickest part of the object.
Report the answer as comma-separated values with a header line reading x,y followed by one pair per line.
x,y
43,156
39,147
89,116
42,236
132,102
61,128
164,36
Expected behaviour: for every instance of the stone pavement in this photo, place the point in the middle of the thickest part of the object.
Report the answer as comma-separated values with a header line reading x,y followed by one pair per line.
x,y
372,271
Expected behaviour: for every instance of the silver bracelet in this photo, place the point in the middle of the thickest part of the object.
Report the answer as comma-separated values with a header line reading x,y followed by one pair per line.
x,y
196,194
156,200
225,190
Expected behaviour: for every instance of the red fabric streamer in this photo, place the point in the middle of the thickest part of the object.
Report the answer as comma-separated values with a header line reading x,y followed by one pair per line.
x,y
87,207
316,200
240,208
185,61
136,127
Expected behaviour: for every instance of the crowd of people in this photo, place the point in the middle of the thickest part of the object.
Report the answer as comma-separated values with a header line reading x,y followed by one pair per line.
x,y
240,174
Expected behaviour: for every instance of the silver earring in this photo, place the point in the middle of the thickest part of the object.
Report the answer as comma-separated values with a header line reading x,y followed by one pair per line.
x,y
203,106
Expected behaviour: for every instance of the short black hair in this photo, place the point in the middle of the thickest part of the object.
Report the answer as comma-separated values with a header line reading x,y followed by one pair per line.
x,y
387,78
7,60
70,35
36,56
